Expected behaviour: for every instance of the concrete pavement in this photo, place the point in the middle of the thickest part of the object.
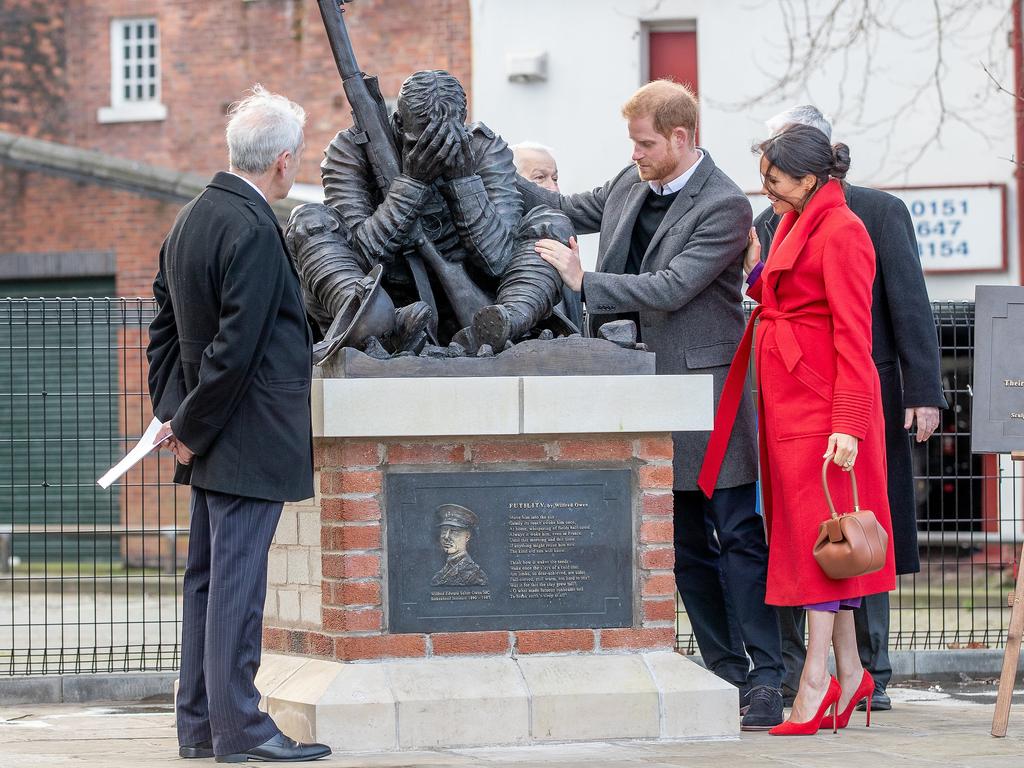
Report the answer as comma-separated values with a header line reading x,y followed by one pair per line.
x,y
928,727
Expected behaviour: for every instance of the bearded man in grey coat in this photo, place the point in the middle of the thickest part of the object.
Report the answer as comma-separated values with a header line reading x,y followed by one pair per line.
x,y
673,230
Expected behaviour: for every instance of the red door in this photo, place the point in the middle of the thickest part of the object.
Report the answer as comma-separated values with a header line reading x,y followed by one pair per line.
x,y
673,55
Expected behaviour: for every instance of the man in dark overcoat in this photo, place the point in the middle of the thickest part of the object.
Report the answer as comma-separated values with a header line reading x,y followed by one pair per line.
x,y
230,358
905,351
673,227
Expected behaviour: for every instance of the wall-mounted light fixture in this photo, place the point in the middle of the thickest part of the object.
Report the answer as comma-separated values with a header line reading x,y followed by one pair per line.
x,y
527,67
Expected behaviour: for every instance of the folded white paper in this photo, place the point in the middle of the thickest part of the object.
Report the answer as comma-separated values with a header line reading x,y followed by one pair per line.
x,y
146,444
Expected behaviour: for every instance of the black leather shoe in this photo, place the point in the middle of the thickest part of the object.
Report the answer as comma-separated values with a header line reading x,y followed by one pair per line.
x,y
764,710
202,749
744,698
279,749
880,701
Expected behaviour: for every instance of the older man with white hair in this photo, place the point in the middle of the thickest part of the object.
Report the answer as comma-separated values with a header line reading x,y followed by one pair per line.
x,y
906,353
536,162
230,358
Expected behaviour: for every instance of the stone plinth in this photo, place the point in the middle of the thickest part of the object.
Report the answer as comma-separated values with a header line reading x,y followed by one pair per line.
x,y
431,703
335,672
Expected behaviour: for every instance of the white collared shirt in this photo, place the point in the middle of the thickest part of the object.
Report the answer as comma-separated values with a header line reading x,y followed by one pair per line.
x,y
265,197
678,182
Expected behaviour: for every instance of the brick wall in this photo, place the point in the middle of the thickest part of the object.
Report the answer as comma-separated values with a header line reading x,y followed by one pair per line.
x,y
44,213
56,63
32,69
353,558
293,572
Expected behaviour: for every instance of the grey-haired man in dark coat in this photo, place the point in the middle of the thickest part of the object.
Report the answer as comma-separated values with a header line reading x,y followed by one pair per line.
x,y
230,360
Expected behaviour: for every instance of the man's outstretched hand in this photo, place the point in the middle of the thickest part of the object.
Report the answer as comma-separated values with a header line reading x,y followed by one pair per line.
x,y
181,451
565,259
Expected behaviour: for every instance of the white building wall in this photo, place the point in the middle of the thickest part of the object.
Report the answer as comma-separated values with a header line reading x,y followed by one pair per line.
x,y
595,60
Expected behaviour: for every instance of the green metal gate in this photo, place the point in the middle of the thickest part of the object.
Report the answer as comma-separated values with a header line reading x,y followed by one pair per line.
x,y
58,404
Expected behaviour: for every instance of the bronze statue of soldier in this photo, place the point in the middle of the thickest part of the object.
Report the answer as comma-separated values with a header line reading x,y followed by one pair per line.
x,y
482,282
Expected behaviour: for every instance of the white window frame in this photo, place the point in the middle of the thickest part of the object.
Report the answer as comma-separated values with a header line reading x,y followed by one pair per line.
x,y
122,110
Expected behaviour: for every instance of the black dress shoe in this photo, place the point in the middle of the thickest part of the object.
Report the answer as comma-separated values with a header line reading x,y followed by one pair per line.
x,y
744,698
202,749
278,749
880,701
764,710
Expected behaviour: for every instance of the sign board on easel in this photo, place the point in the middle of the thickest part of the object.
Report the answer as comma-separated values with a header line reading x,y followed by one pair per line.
x,y
997,426
997,417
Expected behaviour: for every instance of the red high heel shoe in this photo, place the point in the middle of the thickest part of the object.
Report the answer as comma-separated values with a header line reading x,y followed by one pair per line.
x,y
810,727
864,691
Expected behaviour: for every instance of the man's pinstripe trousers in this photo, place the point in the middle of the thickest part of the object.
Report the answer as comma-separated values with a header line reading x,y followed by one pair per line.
x,y
222,622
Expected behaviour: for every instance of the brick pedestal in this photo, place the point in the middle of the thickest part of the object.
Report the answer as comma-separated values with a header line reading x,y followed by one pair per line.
x,y
344,527
334,672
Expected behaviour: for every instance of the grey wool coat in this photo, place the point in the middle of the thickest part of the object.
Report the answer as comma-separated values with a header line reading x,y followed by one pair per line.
x,y
687,293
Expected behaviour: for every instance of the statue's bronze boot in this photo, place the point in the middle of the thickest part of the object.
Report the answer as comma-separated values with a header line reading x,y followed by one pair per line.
x,y
498,324
411,323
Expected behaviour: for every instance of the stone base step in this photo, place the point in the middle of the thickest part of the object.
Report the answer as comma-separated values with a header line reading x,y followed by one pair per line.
x,y
434,703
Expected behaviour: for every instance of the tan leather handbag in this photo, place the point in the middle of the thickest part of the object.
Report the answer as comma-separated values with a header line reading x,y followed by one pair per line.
x,y
849,544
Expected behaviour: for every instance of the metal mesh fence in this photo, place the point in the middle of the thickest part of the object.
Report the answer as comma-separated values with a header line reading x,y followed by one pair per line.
x,y
969,518
90,579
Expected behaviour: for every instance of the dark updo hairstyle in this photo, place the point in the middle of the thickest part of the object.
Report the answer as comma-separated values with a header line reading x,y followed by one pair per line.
x,y
799,150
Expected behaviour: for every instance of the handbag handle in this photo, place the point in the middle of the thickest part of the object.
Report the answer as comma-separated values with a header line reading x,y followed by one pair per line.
x,y
828,496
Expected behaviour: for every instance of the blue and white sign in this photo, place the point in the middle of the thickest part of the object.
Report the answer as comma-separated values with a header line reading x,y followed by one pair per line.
x,y
959,229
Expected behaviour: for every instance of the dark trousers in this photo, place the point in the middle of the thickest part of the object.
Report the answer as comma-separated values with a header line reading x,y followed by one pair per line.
x,y
224,589
871,621
721,550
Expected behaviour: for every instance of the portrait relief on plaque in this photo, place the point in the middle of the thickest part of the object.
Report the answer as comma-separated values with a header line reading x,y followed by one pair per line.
x,y
456,525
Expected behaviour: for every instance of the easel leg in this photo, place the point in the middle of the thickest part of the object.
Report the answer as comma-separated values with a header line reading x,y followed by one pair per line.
x,y
1011,655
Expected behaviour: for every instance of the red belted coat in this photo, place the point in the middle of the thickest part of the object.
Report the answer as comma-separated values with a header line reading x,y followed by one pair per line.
x,y
815,376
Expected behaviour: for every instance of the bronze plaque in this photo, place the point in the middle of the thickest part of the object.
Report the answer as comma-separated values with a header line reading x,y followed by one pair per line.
x,y
997,420
529,549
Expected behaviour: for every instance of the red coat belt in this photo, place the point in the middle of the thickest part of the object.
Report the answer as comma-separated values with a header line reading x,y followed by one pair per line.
x,y
732,392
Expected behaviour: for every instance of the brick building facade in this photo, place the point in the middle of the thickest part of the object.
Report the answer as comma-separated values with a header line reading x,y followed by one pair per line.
x,y
94,198
56,67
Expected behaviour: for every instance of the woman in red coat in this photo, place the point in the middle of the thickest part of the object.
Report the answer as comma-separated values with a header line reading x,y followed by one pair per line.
x,y
819,399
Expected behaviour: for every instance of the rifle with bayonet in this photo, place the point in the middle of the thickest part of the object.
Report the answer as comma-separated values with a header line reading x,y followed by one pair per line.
x,y
372,131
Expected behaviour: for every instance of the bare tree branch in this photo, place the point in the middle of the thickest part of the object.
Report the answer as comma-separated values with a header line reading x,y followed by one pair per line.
x,y
999,86
847,36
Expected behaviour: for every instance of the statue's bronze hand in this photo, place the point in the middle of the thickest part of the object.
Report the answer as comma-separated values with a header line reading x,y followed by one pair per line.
x,y
424,162
460,161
